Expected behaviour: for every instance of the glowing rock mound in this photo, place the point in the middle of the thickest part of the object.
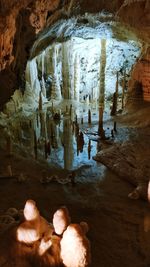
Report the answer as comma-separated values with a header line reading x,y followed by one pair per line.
x,y
34,226
61,220
75,247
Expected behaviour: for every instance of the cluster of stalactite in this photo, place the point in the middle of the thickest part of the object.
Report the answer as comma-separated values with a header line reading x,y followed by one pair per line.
x,y
65,71
55,73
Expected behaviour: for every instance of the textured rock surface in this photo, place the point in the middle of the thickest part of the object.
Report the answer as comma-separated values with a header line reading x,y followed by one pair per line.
x,y
20,21
137,14
125,160
141,73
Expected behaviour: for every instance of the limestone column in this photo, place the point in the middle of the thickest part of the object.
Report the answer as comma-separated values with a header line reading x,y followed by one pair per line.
x,y
77,77
123,88
56,89
115,97
65,71
102,86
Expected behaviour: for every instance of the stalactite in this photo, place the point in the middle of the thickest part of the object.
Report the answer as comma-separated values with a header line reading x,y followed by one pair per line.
x,y
48,61
102,86
43,87
32,82
117,85
115,98
71,68
65,71
76,77
56,89
43,63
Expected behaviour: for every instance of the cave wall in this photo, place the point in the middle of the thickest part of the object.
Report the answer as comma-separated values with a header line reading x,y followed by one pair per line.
x,y
137,13
22,20
139,84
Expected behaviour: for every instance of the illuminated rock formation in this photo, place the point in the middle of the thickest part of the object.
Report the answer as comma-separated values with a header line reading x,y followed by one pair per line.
x,y
75,247
102,87
34,226
56,90
61,220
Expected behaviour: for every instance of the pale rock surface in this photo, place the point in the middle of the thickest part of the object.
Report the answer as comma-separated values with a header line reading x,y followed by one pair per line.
x,y
61,220
75,247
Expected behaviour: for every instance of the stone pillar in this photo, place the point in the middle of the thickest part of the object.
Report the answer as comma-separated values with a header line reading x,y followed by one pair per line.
x,y
56,90
102,85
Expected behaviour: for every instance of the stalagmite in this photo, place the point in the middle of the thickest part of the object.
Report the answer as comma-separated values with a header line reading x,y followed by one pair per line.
x,y
89,116
40,102
115,98
34,227
76,129
61,220
75,247
89,149
80,142
112,133
35,145
76,119
123,89
102,87
115,126
70,110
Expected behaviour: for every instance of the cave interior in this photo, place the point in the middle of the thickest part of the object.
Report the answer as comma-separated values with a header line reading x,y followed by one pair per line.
x,y
74,132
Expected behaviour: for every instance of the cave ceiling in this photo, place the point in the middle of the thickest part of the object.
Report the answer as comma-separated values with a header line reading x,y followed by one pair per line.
x,y
88,26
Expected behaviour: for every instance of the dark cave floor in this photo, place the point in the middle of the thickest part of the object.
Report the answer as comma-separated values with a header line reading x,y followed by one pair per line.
x,y
116,222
